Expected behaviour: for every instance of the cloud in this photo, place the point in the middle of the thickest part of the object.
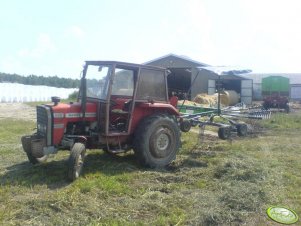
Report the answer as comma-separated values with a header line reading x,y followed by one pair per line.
x,y
9,64
194,31
75,31
44,45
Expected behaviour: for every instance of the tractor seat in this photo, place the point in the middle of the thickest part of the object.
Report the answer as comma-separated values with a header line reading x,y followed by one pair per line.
x,y
126,108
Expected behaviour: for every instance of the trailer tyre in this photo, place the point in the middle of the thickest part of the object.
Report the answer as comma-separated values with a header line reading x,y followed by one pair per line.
x,y
242,130
194,123
185,126
266,106
156,141
224,132
76,161
287,108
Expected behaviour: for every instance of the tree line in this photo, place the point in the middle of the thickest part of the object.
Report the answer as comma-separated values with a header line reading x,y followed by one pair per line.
x,y
40,80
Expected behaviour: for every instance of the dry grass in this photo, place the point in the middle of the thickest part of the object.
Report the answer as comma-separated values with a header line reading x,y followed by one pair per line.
x,y
212,183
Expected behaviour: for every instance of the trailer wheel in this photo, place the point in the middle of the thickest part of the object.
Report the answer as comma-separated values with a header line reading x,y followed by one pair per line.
x,y
185,126
287,108
76,161
224,132
193,123
265,106
156,141
242,130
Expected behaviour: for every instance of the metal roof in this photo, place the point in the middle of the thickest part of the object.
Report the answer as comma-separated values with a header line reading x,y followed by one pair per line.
x,y
179,57
226,72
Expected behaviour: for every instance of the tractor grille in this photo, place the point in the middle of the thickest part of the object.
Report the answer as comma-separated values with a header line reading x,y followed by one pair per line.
x,y
44,123
42,114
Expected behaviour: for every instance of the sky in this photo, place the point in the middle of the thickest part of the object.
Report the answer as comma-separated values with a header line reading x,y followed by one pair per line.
x,y
56,37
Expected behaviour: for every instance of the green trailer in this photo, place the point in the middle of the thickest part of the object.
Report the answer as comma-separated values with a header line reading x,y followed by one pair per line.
x,y
275,92
275,85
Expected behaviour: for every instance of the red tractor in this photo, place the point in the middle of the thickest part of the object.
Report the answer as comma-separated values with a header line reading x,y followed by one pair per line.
x,y
121,106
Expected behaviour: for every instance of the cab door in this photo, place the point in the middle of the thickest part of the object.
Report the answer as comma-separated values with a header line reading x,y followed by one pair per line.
x,y
121,98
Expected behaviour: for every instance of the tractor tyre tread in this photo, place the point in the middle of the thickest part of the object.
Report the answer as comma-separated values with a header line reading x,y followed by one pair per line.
x,y
77,150
142,140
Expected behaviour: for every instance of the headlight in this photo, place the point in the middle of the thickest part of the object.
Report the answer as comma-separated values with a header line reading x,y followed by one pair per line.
x,y
42,128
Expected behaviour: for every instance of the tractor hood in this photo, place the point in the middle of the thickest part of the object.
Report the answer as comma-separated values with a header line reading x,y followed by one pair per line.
x,y
73,111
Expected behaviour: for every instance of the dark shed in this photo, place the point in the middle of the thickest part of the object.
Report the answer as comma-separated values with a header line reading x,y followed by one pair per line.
x,y
186,79
183,71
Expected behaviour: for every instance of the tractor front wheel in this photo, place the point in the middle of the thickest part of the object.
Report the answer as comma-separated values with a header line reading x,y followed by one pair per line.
x,y
76,161
157,140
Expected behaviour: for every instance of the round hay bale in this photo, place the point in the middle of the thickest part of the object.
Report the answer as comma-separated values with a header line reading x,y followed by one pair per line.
x,y
228,97
205,99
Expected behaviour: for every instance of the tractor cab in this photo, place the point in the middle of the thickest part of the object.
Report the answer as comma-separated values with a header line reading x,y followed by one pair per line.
x,y
118,89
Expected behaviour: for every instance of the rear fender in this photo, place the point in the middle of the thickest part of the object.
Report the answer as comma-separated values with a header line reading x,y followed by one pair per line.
x,y
143,110
161,107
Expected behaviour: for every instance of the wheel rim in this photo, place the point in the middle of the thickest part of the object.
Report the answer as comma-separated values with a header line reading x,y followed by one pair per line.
x,y
79,165
160,143
43,159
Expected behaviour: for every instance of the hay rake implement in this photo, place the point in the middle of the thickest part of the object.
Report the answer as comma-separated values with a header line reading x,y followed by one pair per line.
x,y
230,119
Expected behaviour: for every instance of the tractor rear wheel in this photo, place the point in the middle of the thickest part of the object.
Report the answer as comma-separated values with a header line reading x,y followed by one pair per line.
x,y
76,161
157,140
224,132
242,130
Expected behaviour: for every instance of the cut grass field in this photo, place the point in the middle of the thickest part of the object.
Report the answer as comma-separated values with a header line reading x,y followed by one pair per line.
x,y
214,182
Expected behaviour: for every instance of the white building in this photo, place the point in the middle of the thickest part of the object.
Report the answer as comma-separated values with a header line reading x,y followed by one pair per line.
x,y
294,78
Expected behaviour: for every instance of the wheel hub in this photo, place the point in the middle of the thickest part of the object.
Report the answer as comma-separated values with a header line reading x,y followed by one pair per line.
x,y
162,141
